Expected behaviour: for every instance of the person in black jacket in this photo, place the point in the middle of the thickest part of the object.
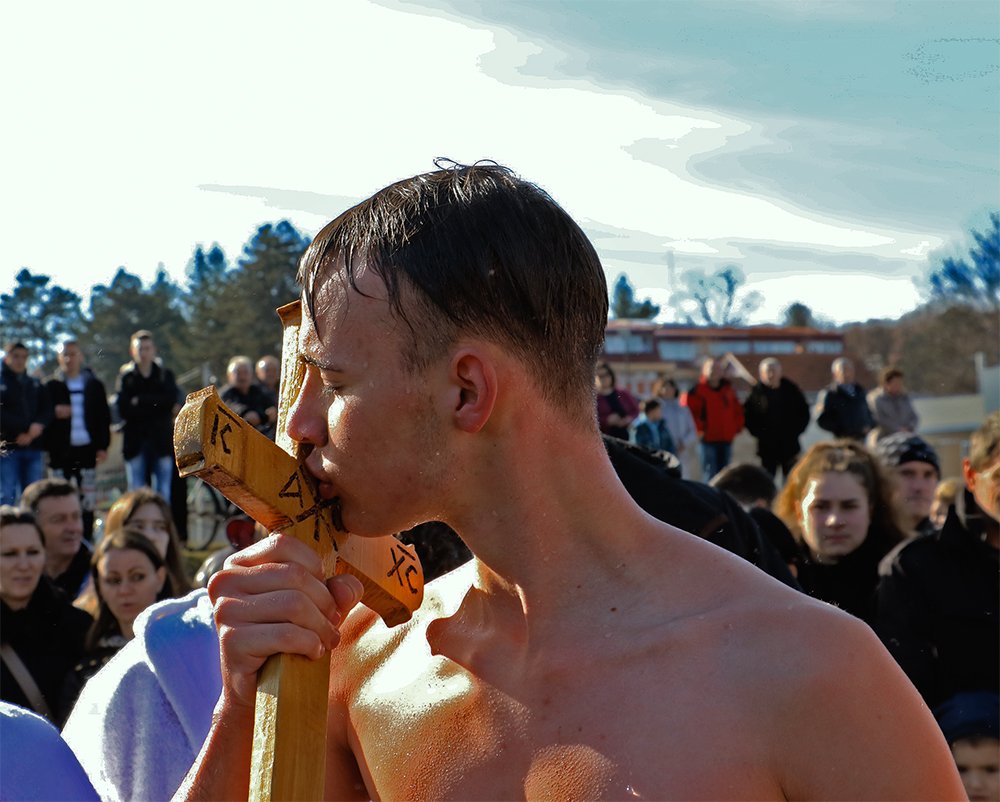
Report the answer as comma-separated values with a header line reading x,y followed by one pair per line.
x,y
78,437
842,408
242,395
776,414
939,595
41,631
147,403
26,412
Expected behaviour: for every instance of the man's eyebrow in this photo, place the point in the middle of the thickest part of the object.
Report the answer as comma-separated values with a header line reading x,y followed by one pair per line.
x,y
309,360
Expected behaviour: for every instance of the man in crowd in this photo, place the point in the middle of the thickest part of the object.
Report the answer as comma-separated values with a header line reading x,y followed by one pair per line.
x,y
776,414
268,372
80,432
717,415
242,395
26,411
915,464
55,504
147,403
939,596
842,408
572,657
891,407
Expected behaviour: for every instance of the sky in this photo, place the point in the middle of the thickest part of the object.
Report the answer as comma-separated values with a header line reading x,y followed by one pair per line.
x,y
831,150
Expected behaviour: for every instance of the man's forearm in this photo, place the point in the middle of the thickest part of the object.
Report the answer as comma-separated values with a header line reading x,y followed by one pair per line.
x,y
222,769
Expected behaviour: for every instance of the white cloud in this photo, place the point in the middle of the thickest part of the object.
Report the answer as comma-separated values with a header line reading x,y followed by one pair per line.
x,y
120,125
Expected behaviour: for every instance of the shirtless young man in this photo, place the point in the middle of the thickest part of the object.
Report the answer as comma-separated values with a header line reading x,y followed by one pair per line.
x,y
588,651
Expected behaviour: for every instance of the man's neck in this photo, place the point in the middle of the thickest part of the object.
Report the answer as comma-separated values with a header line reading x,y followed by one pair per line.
x,y
145,368
547,548
75,375
57,565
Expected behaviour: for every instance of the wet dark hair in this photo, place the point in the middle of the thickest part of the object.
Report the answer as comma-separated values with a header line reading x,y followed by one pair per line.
x,y
475,249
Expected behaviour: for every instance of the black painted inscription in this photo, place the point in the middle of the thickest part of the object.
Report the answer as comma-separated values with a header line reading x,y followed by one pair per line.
x,y
403,575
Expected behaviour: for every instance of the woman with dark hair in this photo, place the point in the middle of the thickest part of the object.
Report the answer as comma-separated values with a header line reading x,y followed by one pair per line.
x,y
616,408
129,574
838,503
42,633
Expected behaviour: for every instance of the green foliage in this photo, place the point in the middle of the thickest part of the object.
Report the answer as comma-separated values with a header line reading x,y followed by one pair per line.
x,y
125,306
624,305
974,281
712,300
39,314
800,315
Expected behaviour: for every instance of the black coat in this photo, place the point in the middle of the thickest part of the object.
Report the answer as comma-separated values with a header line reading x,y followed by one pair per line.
x,y
48,636
851,582
939,610
23,401
776,416
844,412
96,418
145,405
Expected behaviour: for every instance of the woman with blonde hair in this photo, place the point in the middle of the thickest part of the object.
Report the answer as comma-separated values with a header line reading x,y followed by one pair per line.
x,y
146,511
838,503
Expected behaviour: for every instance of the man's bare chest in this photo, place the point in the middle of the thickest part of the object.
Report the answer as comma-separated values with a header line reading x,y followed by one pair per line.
x,y
598,734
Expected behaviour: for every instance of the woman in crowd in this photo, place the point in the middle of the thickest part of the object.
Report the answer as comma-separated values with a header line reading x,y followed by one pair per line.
x,y
838,503
680,424
129,574
42,633
616,407
146,511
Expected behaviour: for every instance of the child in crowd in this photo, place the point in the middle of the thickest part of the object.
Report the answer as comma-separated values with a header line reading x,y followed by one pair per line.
x,y
971,724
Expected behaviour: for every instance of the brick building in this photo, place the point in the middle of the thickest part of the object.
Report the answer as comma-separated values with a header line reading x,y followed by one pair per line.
x,y
639,351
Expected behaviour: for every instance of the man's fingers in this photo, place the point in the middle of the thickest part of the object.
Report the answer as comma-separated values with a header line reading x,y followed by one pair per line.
x,y
278,548
347,591
280,584
245,649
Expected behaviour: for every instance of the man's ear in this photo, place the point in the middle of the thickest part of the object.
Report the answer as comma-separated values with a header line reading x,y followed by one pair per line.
x,y
968,474
474,376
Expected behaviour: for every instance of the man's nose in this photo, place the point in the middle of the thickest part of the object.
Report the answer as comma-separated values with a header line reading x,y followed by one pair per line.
x,y
307,417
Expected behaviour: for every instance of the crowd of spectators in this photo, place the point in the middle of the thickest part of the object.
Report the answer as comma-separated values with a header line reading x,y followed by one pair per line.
x,y
866,522
863,520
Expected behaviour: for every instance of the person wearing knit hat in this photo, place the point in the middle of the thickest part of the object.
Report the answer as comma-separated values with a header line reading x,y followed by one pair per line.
x,y
970,722
917,469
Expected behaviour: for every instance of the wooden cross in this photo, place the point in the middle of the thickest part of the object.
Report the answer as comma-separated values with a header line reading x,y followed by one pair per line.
x,y
268,482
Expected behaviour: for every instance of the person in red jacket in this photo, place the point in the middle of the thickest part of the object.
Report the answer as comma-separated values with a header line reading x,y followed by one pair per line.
x,y
717,414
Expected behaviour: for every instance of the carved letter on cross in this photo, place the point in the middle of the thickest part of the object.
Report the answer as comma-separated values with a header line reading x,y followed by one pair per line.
x,y
270,485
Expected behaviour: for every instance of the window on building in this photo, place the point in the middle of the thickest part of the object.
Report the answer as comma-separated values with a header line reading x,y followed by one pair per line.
x,y
614,344
824,347
720,347
774,347
678,350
